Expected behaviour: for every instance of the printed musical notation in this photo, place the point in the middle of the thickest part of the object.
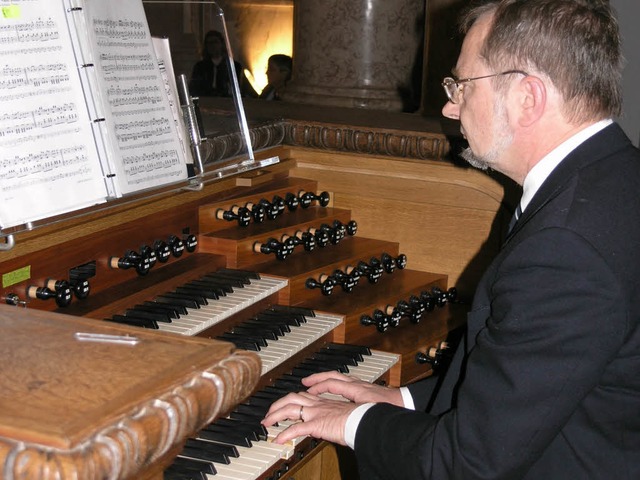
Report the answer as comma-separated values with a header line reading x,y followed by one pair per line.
x,y
139,112
116,63
12,77
135,95
35,31
139,167
119,29
51,160
85,115
17,123
142,129
48,159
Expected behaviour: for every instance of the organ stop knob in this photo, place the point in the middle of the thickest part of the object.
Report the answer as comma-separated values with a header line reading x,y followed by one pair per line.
x,y
57,290
324,283
133,260
378,319
434,355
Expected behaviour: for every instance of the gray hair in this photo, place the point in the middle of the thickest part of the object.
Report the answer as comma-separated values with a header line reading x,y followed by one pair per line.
x,y
575,43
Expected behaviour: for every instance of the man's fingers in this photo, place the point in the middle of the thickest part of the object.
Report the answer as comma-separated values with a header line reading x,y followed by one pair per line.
x,y
321,377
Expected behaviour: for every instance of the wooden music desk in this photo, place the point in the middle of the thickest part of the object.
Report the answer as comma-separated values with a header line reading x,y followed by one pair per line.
x,y
76,405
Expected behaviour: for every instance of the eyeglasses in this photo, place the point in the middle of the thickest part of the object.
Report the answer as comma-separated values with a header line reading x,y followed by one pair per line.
x,y
453,88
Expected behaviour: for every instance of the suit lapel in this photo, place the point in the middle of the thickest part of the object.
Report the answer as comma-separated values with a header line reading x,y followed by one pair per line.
x,y
600,145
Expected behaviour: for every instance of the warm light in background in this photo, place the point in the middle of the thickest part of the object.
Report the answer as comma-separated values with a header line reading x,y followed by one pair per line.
x,y
258,29
256,70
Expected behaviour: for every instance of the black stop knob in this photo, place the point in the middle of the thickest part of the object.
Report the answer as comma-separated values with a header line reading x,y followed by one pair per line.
x,y
325,284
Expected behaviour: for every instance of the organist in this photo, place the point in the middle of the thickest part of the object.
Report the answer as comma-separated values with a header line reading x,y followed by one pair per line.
x,y
547,383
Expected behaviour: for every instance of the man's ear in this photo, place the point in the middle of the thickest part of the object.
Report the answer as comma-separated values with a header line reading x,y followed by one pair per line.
x,y
532,100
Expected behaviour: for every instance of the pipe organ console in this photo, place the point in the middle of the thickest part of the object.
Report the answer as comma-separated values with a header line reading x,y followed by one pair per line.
x,y
270,265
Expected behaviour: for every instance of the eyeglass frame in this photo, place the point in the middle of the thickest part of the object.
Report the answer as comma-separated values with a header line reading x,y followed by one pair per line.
x,y
449,81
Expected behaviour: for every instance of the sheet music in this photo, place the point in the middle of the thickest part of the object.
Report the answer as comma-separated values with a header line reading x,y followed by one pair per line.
x,y
163,53
144,131
48,159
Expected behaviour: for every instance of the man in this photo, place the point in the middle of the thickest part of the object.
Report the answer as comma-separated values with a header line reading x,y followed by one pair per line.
x,y
547,384
278,75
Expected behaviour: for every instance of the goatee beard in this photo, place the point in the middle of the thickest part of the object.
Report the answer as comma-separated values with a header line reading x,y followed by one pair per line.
x,y
473,160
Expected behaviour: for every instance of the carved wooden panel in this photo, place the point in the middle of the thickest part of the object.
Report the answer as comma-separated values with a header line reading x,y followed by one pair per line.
x,y
75,403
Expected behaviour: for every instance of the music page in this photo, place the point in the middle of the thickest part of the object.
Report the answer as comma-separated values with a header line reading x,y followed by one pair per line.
x,y
138,114
48,160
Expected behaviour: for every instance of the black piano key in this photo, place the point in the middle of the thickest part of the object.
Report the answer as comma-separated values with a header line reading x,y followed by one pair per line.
x,y
320,366
205,454
157,316
281,326
356,355
193,464
265,333
176,310
195,290
287,309
333,357
155,308
213,283
177,473
221,447
243,273
303,371
273,317
232,276
259,340
290,319
253,410
222,280
220,291
279,329
271,389
172,300
226,437
239,343
136,322
239,430
262,399
253,430
291,386
199,299
246,416
256,427
347,347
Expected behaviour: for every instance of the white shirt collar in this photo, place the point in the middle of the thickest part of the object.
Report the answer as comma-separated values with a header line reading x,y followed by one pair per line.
x,y
539,173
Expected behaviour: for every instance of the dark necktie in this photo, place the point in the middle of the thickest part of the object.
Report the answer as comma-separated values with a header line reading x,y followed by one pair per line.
x,y
514,219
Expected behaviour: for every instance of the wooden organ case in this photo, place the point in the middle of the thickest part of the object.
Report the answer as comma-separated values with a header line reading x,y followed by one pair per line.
x,y
354,248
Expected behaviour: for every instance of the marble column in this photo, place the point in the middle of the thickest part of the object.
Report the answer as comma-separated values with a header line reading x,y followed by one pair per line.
x,y
356,53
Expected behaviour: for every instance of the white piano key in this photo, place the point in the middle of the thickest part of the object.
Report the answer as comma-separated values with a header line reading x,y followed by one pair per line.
x,y
262,455
199,319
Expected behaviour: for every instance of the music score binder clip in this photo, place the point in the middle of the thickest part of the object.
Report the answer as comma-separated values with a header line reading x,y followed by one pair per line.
x,y
105,338
193,129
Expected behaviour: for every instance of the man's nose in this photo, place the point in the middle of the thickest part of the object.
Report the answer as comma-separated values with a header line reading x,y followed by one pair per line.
x,y
451,110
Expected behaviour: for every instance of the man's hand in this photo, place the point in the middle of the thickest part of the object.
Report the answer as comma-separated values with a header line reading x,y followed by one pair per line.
x,y
326,418
351,388
317,417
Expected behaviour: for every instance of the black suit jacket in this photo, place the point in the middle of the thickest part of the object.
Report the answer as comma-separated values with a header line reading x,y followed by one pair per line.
x,y
547,384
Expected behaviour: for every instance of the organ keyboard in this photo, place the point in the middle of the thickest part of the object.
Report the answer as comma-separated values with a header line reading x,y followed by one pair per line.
x,y
262,305
258,457
200,316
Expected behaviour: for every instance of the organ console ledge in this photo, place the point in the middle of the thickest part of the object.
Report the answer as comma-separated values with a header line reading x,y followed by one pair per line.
x,y
91,400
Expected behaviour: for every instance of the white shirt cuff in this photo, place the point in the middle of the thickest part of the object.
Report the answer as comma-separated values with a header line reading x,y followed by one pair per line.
x,y
352,423
407,398
354,417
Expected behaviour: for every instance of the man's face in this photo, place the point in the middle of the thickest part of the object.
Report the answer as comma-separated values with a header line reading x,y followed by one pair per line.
x,y
275,76
482,112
